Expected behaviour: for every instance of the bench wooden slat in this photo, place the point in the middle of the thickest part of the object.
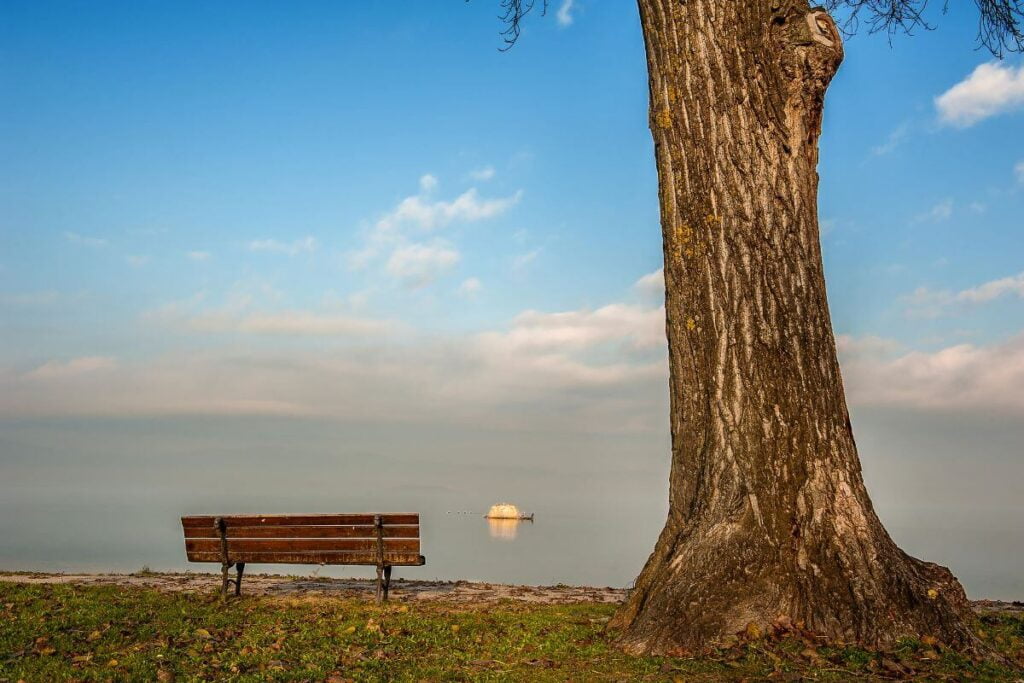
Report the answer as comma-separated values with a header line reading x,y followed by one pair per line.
x,y
235,532
397,545
360,519
319,557
384,540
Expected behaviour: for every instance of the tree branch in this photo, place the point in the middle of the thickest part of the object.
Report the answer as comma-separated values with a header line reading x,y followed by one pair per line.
x,y
1000,22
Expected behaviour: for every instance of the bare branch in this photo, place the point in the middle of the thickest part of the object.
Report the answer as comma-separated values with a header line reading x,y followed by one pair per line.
x,y
1000,22
514,11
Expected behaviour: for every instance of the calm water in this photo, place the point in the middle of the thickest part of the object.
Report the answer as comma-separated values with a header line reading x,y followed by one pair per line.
x,y
106,495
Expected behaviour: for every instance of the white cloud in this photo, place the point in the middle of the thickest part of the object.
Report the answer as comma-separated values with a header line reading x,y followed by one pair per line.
x,y
990,89
1018,171
198,255
564,14
892,141
635,327
521,261
594,371
56,369
428,182
601,370
470,287
993,290
652,284
928,303
482,174
940,212
964,377
417,265
428,215
137,260
305,245
84,240
291,323
867,345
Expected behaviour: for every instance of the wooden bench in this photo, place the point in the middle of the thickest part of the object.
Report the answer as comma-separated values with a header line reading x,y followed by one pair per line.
x,y
384,540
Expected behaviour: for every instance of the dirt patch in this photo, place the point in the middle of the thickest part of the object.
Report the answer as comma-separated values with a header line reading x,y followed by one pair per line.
x,y
292,586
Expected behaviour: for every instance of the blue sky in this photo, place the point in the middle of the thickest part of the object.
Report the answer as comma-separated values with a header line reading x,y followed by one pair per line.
x,y
366,212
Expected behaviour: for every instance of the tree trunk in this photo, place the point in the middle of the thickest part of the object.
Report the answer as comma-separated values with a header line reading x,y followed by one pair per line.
x,y
768,514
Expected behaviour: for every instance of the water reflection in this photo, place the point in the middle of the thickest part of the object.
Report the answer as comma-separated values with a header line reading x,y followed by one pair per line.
x,y
504,529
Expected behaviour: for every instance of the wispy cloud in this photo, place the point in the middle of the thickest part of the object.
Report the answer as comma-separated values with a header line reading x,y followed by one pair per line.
x,y
521,261
652,284
198,255
428,214
596,370
895,137
564,15
990,89
137,260
603,369
291,323
84,240
306,245
962,378
428,182
870,344
470,287
482,174
1018,171
417,265
937,213
928,303
56,369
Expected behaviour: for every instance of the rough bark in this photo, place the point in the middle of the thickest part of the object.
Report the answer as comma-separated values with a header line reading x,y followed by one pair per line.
x,y
769,516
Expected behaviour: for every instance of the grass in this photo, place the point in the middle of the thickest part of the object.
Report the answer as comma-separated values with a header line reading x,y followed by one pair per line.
x,y
103,633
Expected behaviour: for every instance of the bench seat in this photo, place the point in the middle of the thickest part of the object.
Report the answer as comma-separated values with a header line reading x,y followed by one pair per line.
x,y
384,540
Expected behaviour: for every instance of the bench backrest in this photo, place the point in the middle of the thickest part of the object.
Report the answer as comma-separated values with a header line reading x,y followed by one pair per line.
x,y
367,539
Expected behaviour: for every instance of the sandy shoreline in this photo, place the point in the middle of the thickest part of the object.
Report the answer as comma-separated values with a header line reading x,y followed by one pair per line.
x,y
293,586
402,590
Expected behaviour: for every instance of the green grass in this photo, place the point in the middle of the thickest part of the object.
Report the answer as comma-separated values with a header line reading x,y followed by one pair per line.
x,y
102,633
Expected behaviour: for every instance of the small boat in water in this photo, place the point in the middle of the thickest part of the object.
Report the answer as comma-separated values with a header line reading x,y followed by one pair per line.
x,y
507,511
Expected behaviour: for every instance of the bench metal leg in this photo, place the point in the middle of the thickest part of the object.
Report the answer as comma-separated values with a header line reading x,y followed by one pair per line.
x,y
387,581
238,581
224,581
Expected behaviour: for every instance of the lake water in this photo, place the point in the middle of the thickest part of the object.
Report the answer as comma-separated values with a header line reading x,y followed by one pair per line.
x,y
102,495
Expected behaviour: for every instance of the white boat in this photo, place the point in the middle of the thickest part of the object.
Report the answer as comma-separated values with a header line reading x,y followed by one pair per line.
x,y
507,511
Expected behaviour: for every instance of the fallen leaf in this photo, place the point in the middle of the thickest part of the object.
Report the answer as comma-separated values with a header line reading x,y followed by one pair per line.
x,y
203,633
811,654
95,635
